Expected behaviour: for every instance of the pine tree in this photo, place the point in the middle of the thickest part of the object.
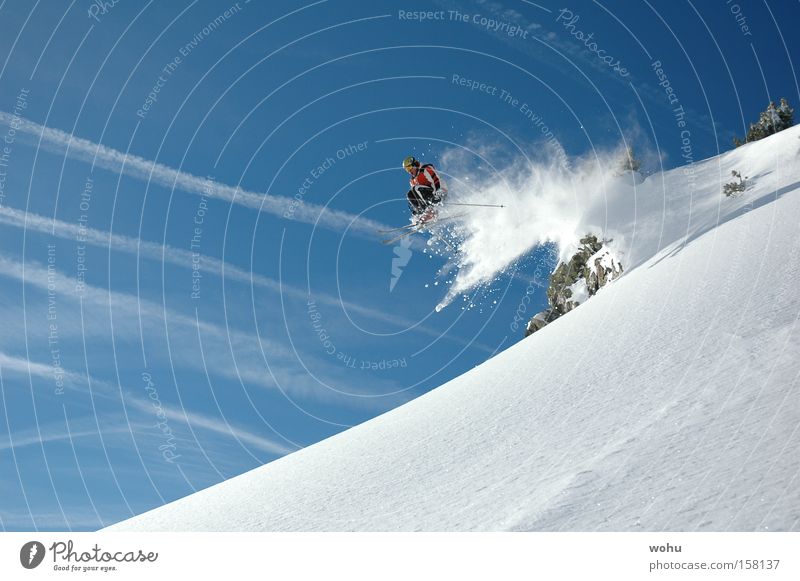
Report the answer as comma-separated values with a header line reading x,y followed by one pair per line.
x,y
786,114
770,121
629,162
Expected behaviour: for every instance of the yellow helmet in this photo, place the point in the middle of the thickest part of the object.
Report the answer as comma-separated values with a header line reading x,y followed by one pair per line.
x,y
410,162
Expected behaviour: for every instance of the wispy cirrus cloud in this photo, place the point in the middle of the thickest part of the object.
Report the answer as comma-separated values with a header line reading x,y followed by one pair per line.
x,y
186,259
24,366
37,437
228,353
63,143
56,432
219,425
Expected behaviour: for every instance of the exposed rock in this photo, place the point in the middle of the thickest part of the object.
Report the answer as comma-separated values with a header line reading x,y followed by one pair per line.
x,y
573,282
539,320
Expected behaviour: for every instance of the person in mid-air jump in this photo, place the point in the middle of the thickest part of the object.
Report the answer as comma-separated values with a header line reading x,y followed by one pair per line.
x,y
426,189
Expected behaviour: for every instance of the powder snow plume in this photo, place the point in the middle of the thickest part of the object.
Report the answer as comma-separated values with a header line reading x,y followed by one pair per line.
x,y
547,198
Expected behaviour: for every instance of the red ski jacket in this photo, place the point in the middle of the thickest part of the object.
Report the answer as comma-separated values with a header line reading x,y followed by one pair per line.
x,y
426,176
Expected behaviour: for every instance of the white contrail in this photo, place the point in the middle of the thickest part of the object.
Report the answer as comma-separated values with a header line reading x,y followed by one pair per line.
x,y
185,259
33,438
213,424
24,366
230,354
172,255
57,141
126,307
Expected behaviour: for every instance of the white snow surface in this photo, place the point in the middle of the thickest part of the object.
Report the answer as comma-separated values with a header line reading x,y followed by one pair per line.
x,y
669,401
580,291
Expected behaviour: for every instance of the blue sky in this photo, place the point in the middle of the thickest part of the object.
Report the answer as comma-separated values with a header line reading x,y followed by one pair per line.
x,y
164,330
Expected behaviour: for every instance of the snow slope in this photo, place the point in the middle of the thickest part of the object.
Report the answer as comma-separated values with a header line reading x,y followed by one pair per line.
x,y
669,401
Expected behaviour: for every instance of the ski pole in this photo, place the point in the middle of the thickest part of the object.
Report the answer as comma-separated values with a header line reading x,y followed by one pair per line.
x,y
481,205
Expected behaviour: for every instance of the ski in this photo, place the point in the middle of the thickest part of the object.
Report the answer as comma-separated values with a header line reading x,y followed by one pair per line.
x,y
390,230
412,228
450,247
446,219
417,228
414,225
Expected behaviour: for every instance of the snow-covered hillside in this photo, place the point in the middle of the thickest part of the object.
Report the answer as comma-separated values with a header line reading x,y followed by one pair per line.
x,y
669,401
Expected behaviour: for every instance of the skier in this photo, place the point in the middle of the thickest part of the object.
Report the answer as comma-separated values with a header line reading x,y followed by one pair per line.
x,y
426,190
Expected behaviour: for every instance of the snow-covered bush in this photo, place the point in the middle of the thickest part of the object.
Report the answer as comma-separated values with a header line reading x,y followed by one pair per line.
x,y
736,187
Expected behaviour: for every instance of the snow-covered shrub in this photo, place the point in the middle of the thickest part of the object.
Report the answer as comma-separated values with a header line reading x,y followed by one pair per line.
x,y
736,187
